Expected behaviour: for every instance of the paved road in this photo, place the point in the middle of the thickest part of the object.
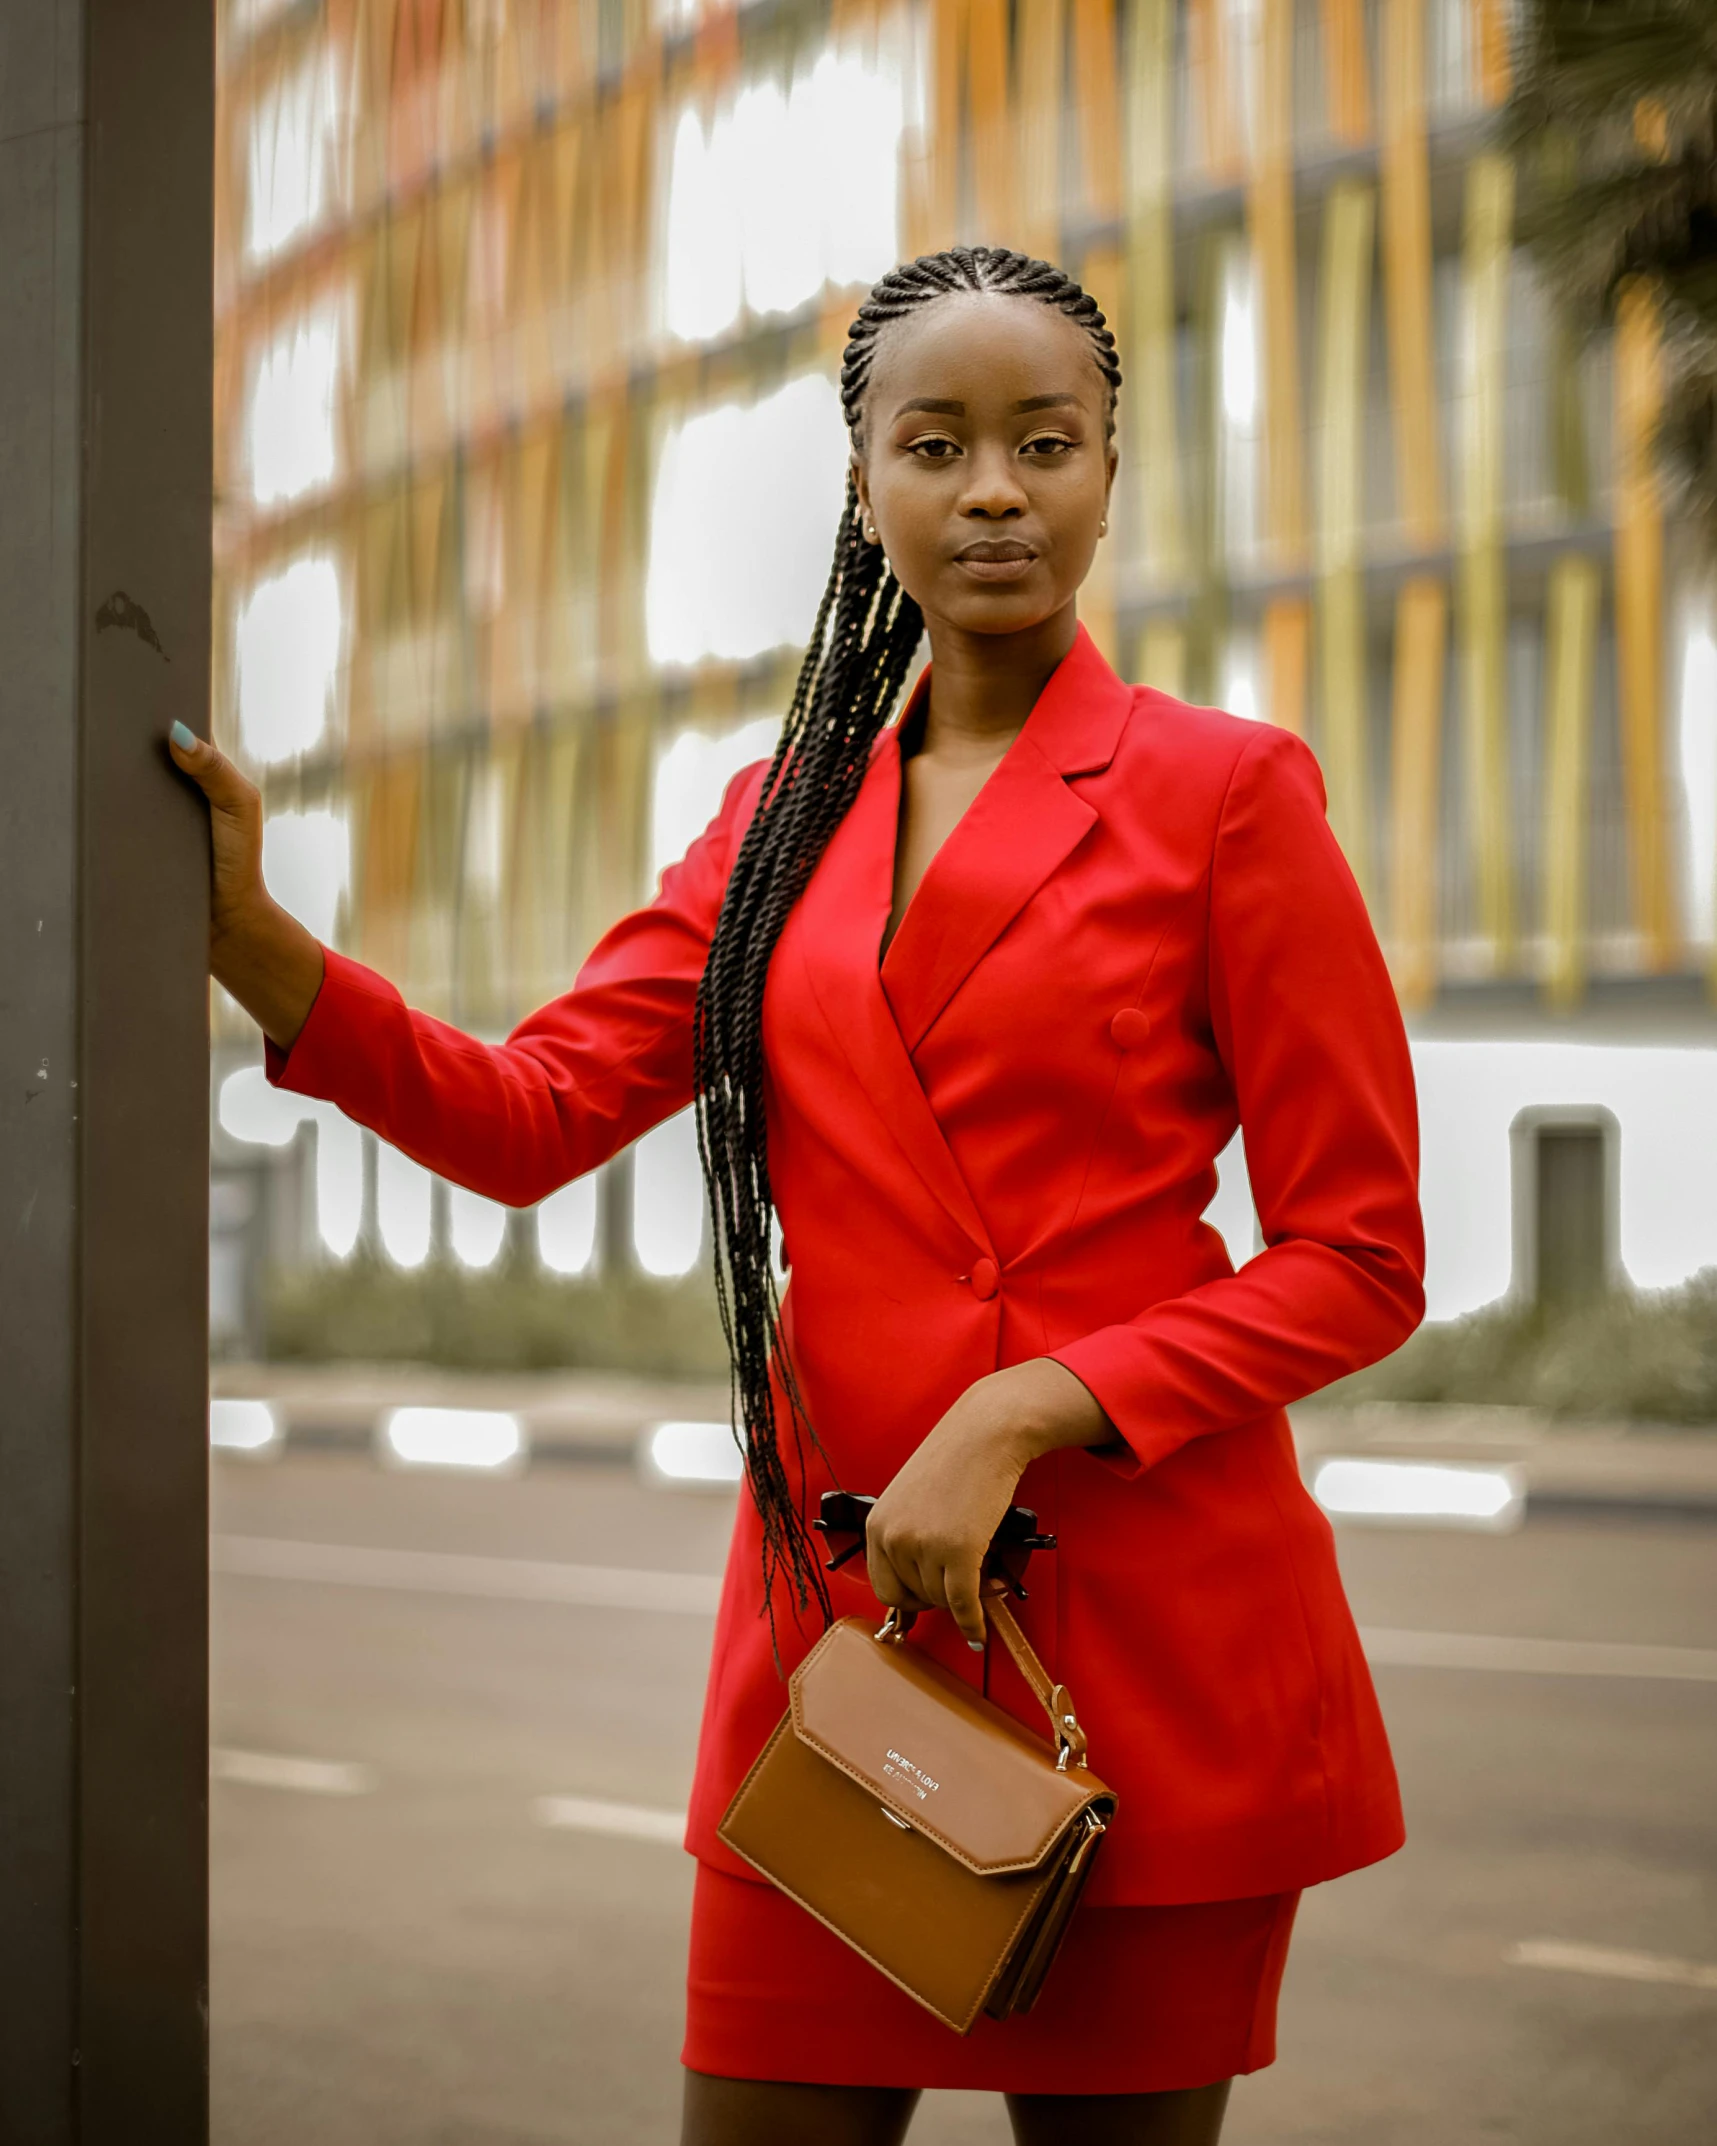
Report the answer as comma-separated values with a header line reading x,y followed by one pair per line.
x,y
407,1665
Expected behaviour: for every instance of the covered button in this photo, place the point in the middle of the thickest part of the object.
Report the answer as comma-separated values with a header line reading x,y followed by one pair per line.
x,y
984,1278
1129,1028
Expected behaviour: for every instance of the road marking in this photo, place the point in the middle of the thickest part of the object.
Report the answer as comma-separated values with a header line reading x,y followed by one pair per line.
x,y
309,1777
1567,1959
696,1594
1538,1657
582,1814
440,1572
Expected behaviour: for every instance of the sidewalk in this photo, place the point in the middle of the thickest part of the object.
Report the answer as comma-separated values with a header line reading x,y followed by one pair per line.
x,y
587,1415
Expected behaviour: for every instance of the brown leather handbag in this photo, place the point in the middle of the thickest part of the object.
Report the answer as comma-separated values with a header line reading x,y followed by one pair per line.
x,y
922,1824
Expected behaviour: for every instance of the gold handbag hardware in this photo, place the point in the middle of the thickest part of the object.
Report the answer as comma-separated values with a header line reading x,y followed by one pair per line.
x,y
964,1896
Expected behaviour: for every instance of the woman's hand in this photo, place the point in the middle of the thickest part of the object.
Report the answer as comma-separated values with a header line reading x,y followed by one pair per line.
x,y
262,955
928,1533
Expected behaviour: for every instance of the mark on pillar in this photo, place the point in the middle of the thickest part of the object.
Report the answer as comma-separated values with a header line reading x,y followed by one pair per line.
x,y
120,611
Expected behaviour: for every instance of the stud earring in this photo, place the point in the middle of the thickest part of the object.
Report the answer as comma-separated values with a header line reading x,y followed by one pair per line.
x,y
1103,526
870,532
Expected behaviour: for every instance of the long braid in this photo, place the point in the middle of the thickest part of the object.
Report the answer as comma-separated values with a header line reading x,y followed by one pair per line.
x,y
862,645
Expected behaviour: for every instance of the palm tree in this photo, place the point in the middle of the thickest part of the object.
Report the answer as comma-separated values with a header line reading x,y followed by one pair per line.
x,y
1620,97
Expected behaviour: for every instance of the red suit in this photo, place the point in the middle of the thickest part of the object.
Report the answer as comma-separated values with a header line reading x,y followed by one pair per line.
x,y
997,1145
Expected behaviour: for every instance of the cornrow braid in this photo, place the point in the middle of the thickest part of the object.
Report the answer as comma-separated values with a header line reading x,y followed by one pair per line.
x,y
861,647
969,268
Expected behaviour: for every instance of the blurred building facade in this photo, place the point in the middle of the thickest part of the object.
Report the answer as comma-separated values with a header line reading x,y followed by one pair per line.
x,y
528,451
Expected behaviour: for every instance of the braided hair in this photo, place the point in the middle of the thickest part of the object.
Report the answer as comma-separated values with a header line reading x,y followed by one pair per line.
x,y
866,634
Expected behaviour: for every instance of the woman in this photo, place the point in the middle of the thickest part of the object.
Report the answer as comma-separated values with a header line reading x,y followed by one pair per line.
x,y
973,1002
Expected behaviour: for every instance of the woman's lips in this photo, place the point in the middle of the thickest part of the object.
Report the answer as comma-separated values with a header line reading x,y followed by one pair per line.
x,y
1008,563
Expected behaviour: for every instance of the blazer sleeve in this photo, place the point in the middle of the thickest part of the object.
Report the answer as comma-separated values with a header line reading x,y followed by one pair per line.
x,y
571,1085
1306,1024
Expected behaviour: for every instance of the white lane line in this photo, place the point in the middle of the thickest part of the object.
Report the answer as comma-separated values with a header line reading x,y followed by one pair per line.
x,y
1538,1657
309,1777
1569,1959
583,1814
440,1572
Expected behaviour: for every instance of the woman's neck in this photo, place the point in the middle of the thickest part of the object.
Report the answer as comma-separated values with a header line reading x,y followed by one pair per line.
x,y
984,685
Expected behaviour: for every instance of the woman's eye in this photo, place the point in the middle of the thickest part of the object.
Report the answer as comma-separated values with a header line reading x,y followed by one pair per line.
x,y
935,450
1049,445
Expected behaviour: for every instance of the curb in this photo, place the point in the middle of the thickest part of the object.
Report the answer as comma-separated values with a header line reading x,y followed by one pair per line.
x,y
1636,1468
578,1417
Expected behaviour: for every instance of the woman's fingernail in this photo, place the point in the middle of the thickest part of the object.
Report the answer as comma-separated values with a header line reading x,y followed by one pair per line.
x,y
976,1645
184,737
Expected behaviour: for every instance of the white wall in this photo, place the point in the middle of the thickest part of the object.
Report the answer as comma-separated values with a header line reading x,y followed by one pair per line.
x,y
1665,1100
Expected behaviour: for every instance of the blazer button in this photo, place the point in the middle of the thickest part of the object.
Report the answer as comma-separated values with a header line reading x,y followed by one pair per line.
x,y
1130,1029
984,1280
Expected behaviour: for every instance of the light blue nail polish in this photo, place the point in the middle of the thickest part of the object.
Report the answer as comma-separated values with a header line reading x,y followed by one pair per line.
x,y
184,737
976,1645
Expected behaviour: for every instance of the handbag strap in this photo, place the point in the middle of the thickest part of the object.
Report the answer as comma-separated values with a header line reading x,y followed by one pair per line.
x,y
1055,1699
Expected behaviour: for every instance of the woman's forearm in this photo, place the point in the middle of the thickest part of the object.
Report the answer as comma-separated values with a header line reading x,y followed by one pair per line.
x,y
267,960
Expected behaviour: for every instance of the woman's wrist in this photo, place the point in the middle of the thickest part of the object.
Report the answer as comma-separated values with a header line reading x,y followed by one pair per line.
x,y
1040,1407
239,929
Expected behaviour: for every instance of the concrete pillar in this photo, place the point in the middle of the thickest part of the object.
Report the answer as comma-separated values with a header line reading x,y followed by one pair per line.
x,y
106,175
369,1211
616,1253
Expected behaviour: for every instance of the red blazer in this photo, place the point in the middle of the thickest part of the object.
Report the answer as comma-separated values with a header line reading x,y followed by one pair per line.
x,y
998,1146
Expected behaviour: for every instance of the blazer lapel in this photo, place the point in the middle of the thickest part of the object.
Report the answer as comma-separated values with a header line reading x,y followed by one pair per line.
x,y
839,923
1018,830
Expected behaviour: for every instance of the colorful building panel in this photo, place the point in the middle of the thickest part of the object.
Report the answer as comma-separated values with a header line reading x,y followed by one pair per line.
x,y
529,315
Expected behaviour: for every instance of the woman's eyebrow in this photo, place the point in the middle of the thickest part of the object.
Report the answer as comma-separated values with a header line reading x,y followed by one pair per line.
x,y
940,408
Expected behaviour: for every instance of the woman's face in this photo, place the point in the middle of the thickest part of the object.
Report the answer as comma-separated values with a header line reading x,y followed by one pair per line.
x,y
986,463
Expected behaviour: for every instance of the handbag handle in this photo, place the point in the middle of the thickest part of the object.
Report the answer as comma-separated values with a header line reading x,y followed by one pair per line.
x,y
1055,1699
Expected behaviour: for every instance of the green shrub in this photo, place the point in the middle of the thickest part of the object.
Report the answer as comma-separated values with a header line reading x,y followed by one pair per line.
x,y
1644,1356
510,1317
1635,1356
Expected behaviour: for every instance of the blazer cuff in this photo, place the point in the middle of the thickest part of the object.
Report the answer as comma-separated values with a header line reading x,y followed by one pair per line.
x,y
1099,1362
345,1004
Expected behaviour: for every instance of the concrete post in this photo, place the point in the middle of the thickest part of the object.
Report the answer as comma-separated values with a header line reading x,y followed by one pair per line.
x,y
106,181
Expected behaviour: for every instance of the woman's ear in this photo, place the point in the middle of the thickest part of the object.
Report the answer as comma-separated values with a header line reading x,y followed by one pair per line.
x,y
867,522
1112,463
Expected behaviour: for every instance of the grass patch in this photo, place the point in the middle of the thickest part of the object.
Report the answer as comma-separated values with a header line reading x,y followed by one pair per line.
x,y
509,1317
1639,1356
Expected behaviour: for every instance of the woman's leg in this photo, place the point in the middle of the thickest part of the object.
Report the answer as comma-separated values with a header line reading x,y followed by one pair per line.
x,y
765,2112
1192,2118
757,2112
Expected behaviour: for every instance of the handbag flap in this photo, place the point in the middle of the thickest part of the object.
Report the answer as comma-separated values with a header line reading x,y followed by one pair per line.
x,y
937,1754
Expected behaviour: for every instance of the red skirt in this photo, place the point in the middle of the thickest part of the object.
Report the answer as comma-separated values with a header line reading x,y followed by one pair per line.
x,y
1140,2001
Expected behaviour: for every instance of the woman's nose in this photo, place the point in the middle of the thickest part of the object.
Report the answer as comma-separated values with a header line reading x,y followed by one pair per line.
x,y
993,488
